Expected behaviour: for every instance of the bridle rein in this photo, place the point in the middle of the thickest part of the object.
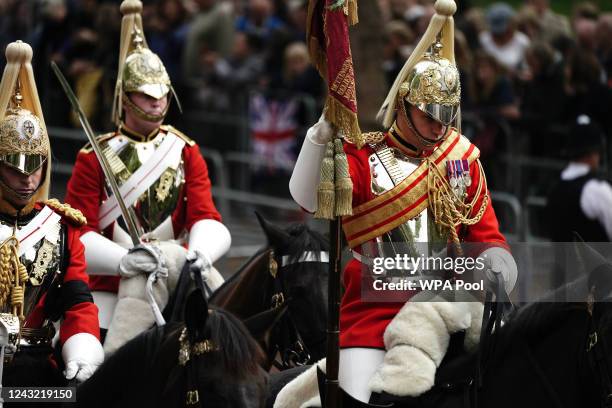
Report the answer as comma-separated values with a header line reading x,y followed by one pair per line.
x,y
596,351
291,347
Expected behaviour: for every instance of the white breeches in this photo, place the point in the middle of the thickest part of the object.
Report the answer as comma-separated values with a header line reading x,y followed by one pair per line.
x,y
106,302
357,366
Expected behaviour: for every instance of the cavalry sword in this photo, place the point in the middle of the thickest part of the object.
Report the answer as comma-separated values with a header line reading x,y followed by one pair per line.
x,y
128,216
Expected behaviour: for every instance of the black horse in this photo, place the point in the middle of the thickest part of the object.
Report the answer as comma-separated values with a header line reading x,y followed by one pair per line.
x,y
547,355
209,361
281,295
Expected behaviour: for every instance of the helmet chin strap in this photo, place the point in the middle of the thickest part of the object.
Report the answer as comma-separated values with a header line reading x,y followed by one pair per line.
x,y
426,143
127,102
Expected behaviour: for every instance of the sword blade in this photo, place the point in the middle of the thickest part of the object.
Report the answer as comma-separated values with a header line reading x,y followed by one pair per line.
x,y
128,216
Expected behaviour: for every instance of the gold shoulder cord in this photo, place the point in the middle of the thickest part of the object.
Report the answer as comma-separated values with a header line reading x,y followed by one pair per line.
x,y
13,276
449,211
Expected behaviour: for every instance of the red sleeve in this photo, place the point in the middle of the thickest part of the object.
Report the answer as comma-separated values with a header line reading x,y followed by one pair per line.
x,y
82,317
487,229
197,194
86,189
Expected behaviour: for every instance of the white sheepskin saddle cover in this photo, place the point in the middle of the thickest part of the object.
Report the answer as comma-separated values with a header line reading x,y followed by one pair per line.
x,y
133,313
416,341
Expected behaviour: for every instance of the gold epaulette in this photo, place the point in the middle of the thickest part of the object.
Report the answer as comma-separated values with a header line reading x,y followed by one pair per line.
x,y
102,138
73,215
187,139
373,137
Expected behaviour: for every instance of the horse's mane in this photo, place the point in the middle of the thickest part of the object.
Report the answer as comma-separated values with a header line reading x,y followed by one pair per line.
x,y
237,356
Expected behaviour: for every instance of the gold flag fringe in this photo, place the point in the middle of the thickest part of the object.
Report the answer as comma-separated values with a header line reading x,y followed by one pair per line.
x,y
345,120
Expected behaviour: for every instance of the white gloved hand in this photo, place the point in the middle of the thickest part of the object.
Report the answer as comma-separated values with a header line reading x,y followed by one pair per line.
x,y
82,354
498,260
321,132
142,259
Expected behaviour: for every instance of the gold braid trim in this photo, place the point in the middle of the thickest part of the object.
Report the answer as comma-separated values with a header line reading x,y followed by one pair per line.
x,y
449,211
73,215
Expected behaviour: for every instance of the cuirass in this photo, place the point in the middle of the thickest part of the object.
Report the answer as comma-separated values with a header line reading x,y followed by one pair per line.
x,y
161,198
42,262
416,237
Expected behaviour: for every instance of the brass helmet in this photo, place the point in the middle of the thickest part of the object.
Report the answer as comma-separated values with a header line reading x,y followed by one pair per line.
x,y
24,144
144,72
429,79
433,87
140,69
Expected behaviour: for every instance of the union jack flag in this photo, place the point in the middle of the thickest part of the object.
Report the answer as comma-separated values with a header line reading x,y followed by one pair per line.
x,y
273,125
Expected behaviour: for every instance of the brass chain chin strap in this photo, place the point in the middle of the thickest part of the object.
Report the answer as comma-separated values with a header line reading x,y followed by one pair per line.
x,y
13,277
449,211
128,104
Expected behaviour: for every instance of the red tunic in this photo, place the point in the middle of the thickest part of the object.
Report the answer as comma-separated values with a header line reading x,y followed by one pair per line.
x,y
362,324
86,191
82,317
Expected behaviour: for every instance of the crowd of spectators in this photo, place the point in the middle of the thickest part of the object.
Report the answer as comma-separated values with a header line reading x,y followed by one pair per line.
x,y
528,69
524,68
214,50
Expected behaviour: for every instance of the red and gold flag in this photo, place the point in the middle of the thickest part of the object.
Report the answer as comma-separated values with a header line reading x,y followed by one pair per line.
x,y
330,51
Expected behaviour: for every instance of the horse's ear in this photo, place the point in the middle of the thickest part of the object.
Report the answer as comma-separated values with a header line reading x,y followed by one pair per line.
x,y
275,235
196,315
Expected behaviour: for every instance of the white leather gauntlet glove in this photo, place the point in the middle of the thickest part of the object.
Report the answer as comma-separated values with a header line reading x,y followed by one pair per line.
x,y
321,132
82,354
498,260
143,259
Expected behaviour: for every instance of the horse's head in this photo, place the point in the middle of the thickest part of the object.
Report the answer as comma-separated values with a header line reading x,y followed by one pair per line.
x,y
218,360
599,304
299,266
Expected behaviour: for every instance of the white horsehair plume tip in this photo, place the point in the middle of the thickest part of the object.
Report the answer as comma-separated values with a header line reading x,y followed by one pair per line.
x,y
18,52
445,7
131,7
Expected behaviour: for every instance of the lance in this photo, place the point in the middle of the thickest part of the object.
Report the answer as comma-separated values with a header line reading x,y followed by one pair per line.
x,y
128,216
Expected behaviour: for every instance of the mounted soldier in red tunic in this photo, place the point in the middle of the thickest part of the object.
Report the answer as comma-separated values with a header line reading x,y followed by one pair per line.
x,y
42,260
418,188
163,181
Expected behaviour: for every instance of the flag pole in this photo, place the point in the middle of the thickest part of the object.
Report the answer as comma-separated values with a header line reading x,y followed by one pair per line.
x,y
332,392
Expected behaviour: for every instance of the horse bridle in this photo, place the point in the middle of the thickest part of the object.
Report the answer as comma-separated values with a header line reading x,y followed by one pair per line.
x,y
595,349
597,358
293,350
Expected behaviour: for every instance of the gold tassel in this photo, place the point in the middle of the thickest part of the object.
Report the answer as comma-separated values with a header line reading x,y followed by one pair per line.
x,y
353,18
326,191
343,183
